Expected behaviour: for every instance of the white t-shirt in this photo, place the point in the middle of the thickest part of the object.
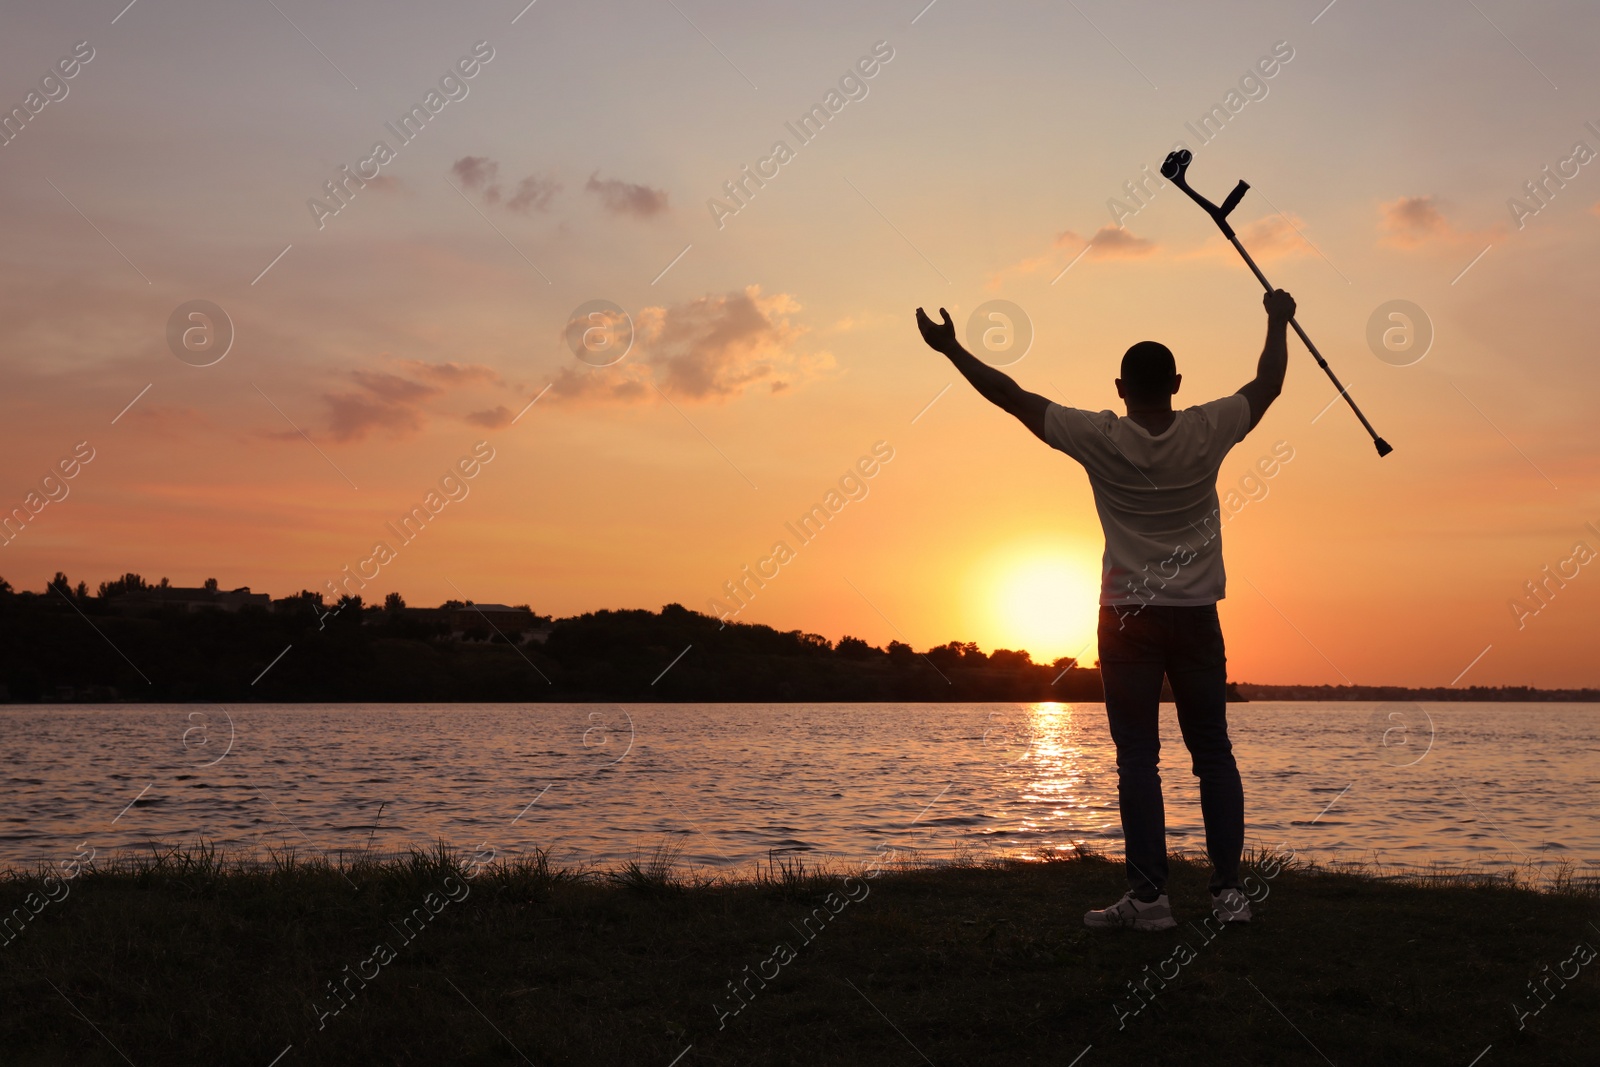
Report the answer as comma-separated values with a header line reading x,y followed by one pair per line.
x,y
1157,497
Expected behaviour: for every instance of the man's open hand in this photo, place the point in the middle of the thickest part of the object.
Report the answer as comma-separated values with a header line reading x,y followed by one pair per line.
x,y
940,338
1279,304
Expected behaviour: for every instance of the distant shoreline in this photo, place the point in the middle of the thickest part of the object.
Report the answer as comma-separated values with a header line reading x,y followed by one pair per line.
x,y
1508,694
1389,694
165,645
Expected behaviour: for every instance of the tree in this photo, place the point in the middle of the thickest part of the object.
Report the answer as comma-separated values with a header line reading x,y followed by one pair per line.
x,y
811,642
303,601
61,584
962,653
211,585
128,583
346,614
1005,658
1064,663
394,602
855,648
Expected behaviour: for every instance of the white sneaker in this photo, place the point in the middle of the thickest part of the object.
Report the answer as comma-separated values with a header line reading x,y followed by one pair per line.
x,y
1231,906
1133,913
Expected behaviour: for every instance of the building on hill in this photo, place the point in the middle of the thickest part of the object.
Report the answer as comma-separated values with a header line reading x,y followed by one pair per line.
x,y
517,624
302,601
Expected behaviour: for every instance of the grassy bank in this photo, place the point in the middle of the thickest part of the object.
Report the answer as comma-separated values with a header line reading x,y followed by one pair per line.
x,y
185,959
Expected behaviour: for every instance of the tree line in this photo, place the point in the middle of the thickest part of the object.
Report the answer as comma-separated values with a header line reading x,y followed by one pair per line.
x,y
66,644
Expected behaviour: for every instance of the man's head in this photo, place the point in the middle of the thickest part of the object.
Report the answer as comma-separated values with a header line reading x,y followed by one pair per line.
x,y
1149,375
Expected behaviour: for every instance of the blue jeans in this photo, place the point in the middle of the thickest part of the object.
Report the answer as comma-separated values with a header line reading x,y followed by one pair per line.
x,y
1138,646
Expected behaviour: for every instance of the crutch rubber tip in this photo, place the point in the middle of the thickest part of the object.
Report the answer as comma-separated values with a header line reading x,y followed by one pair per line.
x,y
1384,447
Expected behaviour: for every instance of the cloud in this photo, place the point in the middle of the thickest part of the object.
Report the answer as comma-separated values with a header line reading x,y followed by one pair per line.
x,y
171,422
395,404
713,347
475,172
453,373
494,418
1412,221
352,416
383,401
1108,242
625,198
386,184
391,387
1419,222
1266,238
533,193
480,173
709,349
619,384
1111,242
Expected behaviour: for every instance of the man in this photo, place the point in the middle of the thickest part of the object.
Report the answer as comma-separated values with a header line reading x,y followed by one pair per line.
x,y
1154,477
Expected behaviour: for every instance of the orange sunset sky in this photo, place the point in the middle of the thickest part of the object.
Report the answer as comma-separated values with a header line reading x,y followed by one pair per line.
x,y
774,345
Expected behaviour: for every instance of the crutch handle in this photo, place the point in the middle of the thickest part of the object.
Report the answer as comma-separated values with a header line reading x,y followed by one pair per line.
x,y
1175,169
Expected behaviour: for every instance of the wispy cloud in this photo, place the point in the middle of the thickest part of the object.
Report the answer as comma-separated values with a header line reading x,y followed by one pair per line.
x,y
533,194
494,418
626,198
387,184
713,348
381,401
398,404
475,172
453,373
1108,242
481,174
1420,222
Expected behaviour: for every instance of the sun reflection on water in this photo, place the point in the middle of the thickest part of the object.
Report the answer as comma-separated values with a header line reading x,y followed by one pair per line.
x,y
1044,755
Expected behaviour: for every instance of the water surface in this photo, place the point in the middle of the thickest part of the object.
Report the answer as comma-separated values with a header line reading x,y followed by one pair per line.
x,y
1461,784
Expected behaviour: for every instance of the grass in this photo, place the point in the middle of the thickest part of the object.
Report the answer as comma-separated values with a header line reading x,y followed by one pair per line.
x,y
190,957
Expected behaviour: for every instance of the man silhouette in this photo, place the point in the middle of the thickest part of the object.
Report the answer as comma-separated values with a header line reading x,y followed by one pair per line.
x,y
1154,477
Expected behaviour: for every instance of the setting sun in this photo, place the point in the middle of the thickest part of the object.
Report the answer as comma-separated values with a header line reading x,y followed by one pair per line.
x,y
1042,598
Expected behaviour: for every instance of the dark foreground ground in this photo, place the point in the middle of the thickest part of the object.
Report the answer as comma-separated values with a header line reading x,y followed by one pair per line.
x,y
183,963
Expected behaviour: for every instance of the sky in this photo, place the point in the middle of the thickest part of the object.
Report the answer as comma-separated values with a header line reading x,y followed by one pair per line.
x,y
374,344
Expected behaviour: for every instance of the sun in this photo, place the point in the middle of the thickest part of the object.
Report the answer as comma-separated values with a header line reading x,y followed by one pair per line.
x,y
1041,598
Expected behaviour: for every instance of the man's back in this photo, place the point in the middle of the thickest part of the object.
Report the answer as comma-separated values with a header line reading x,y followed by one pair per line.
x,y
1156,495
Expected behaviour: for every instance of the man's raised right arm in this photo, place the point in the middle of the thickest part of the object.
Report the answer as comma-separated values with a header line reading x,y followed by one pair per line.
x,y
995,386
1264,388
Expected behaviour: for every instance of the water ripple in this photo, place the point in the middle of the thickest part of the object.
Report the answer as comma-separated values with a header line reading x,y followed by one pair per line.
x,y
1500,784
